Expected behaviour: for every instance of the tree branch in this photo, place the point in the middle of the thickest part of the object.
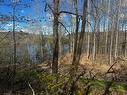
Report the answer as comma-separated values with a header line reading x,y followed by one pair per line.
x,y
64,27
69,13
31,88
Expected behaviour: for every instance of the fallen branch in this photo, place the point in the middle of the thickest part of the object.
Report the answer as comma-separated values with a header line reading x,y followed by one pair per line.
x,y
33,92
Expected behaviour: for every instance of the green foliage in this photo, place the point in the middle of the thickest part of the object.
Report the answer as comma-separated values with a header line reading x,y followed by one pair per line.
x,y
99,85
65,40
50,86
119,87
44,83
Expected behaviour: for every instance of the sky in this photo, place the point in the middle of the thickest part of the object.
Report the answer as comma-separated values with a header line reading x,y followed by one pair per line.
x,y
37,18
32,17
32,10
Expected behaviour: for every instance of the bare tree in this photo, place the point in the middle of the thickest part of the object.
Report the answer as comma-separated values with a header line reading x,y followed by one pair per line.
x,y
78,51
56,37
95,15
14,39
88,42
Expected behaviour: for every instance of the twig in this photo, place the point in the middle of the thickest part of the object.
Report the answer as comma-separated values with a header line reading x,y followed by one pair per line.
x,y
33,92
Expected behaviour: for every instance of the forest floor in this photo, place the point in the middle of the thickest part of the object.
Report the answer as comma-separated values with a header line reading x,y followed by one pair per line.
x,y
97,73
100,65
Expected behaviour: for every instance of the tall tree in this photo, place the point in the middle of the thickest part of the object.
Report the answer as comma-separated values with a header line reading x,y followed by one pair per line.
x,y
77,53
14,39
106,38
88,42
95,30
118,5
78,49
56,37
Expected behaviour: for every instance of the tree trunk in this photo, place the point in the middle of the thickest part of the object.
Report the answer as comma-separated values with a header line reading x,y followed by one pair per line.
x,y
111,44
56,38
77,52
88,41
60,44
117,30
94,42
14,40
76,32
125,44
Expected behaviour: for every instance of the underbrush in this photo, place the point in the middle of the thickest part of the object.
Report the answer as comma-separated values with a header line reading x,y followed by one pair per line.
x,y
29,79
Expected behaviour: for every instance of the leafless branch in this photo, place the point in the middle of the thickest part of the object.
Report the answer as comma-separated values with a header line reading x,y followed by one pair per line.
x,y
33,92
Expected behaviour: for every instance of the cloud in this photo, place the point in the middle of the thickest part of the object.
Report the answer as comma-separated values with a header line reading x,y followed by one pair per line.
x,y
49,16
8,25
47,30
62,16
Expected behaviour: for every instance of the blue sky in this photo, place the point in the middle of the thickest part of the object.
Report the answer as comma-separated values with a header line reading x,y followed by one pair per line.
x,y
35,13
36,19
42,19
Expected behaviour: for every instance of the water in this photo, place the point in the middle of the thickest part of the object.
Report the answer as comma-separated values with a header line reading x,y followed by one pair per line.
x,y
32,52
29,53
48,52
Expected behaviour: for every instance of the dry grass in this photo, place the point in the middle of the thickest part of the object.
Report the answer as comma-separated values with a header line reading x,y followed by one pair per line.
x,y
99,65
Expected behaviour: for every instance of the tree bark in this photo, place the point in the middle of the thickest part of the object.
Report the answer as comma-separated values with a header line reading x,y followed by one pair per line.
x,y
56,37
88,40
77,52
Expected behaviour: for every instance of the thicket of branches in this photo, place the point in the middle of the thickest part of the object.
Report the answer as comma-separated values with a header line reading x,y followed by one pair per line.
x,y
93,28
